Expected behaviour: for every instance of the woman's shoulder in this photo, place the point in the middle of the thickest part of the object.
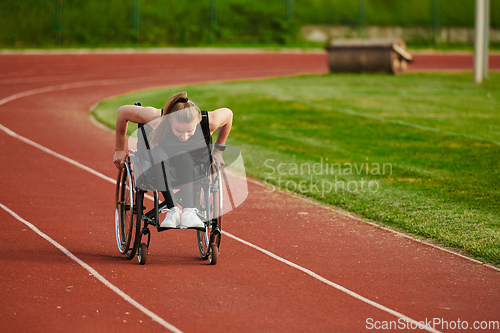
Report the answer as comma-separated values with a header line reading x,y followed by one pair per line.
x,y
139,114
219,117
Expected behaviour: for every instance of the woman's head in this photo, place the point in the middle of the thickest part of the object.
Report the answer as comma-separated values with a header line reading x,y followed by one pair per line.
x,y
182,116
181,108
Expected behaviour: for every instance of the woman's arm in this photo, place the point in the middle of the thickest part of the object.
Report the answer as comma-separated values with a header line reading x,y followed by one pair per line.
x,y
135,114
220,120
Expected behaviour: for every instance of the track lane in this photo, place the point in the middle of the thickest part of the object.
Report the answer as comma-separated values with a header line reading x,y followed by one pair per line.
x,y
397,272
68,190
178,285
45,291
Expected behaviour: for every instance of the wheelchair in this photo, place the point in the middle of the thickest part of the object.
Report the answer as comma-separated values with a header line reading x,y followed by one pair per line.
x,y
133,219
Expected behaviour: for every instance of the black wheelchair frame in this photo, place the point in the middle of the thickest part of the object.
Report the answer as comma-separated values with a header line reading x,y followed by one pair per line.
x,y
132,219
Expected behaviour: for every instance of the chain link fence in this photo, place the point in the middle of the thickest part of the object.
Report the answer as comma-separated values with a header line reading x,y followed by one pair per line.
x,y
173,23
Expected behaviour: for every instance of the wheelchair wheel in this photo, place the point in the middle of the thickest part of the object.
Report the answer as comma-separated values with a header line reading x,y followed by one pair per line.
x,y
211,208
218,203
142,254
126,222
213,255
135,234
204,235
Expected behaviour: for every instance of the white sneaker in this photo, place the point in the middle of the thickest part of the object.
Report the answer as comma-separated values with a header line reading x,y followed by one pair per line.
x,y
172,219
190,219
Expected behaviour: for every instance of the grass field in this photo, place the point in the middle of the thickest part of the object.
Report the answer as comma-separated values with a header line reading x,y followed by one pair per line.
x,y
418,152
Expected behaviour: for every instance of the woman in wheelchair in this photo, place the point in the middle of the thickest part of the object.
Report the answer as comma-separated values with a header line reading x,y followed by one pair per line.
x,y
172,142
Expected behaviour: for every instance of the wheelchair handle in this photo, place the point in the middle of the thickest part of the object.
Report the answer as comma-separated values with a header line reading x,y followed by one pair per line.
x,y
138,104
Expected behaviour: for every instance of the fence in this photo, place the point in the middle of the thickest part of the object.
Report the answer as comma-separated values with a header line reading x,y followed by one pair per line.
x,y
169,22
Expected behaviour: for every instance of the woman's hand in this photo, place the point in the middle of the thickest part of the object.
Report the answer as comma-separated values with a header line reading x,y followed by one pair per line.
x,y
217,157
119,158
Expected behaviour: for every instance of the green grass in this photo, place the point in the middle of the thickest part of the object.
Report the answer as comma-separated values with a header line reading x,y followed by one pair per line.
x,y
436,134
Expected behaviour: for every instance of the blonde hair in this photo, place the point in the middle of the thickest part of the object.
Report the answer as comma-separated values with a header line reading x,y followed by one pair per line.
x,y
179,107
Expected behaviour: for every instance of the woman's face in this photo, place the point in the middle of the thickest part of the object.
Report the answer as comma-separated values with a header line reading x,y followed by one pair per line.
x,y
183,131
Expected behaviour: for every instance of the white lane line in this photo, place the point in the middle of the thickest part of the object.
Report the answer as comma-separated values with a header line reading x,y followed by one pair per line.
x,y
53,153
20,78
338,287
332,284
73,86
96,274
51,88
313,202
163,50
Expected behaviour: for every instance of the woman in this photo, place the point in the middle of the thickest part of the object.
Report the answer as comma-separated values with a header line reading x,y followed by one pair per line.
x,y
174,137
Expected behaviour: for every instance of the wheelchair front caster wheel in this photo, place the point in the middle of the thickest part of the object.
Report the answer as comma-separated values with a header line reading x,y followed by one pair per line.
x,y
142,254
213,255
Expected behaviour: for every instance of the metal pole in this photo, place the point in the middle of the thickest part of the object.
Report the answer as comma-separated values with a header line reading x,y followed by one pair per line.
x,y
289,10
213,19
435,20
58,21
136,19
486,37
479,41
361,18
213,12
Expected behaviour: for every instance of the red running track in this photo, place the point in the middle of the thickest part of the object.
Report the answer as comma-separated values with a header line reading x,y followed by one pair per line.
x,y
46,98
425,61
